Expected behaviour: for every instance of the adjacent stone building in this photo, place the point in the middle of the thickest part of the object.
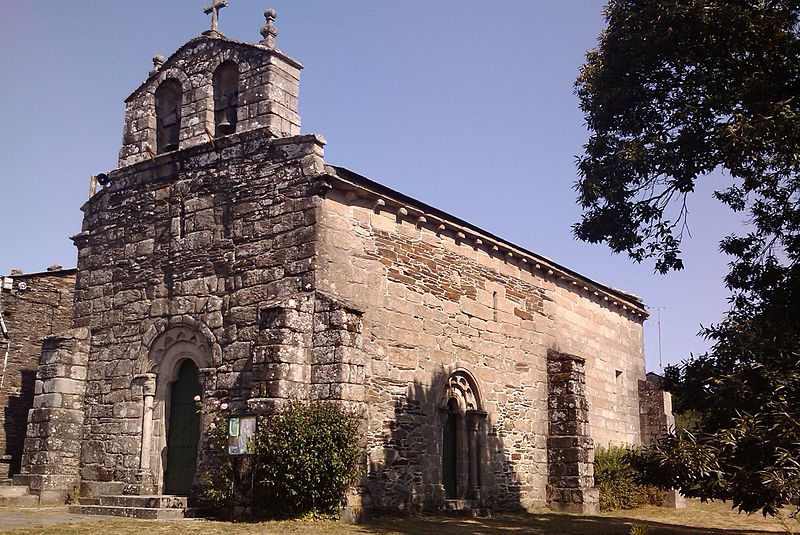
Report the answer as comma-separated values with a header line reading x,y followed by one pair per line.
x,y
224,258
32,305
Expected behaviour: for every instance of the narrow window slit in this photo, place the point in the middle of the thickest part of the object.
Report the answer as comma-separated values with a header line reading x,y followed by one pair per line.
x,y
227,220
182,220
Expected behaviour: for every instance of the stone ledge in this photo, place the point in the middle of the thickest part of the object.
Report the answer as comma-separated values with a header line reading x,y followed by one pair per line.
x,y
143,513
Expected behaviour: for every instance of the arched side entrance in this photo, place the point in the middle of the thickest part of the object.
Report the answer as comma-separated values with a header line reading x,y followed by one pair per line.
x,y
462,421
450,451
176,358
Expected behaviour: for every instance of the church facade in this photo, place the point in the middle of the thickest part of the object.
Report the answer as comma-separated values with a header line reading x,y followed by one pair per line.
x,y
225,259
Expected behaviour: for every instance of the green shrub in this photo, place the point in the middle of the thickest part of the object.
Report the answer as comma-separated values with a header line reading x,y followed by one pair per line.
x,y
618,481
306,457
688,419
217,489
639,529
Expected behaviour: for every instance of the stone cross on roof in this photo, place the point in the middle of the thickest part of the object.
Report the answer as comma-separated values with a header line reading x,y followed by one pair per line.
x,y
214,8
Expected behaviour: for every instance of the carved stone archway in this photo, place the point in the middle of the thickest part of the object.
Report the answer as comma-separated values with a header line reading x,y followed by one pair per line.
x,y
167,353
462,421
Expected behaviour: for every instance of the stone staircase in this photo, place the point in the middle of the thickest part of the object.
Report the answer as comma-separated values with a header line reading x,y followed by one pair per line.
x,y
161,507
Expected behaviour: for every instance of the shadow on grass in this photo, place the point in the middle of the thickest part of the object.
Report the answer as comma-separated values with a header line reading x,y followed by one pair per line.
x,y
544,523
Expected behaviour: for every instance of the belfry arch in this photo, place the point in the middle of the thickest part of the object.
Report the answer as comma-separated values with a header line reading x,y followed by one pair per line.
x,y
462,421
176,362
226,98
168,100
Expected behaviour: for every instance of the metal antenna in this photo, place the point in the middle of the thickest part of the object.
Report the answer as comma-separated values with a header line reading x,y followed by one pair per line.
x,y
660,362
658,324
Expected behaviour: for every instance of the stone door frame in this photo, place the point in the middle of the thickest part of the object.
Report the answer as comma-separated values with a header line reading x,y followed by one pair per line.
x,y
167,354
461,387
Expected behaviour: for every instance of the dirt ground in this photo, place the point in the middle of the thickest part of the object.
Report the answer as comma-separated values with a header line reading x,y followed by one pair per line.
x,y
712,518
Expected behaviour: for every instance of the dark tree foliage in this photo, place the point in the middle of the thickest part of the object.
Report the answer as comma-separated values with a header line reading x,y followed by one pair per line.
x,y
676,90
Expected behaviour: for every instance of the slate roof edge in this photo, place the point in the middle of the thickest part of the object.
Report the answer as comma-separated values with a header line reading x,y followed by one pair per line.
x,y
65,271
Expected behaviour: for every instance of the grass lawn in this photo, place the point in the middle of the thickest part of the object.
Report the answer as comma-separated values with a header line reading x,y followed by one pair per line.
x,y
714,518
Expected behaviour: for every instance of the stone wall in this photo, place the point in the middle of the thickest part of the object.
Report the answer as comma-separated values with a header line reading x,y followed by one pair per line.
x,y
42,308
436,300
50,465
610,338
655,412
202,240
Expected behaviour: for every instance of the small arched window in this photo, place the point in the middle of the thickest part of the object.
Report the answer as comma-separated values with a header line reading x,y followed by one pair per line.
x,y
226,98
168,115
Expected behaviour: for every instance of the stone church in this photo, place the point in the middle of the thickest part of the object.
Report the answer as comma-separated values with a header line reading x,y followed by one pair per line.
x,y
225,258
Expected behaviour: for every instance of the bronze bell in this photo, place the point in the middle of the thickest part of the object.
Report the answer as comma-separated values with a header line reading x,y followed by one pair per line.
x,y
224,127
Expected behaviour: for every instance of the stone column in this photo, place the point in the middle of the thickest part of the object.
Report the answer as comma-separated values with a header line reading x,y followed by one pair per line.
x,y
208,382
462,457
145,475
474,419
570,449
656,420
655,412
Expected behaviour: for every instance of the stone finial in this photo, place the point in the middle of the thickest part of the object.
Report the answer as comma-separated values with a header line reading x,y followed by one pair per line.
x,y
158,61
55,267
16,271
269,32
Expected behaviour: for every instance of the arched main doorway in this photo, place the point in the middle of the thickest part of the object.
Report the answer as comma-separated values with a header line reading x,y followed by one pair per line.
x,y
183,430
170,443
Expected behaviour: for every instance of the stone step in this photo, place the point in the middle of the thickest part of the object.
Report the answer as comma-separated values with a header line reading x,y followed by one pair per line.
x,y
466,508
145,513
481,512
22,479
208,513
472,512
161,501
12,491
26,500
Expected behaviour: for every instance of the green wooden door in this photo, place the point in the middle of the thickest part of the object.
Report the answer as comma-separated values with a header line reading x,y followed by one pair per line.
x,y
184,431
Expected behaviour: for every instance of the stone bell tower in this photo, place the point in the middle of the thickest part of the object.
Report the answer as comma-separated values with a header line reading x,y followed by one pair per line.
x,y
186,250
210,87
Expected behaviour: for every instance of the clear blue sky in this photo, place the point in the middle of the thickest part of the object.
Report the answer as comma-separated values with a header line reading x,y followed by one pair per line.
x,y
468,106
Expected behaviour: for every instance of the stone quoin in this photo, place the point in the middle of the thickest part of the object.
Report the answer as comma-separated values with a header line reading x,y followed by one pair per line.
x,y
225,258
